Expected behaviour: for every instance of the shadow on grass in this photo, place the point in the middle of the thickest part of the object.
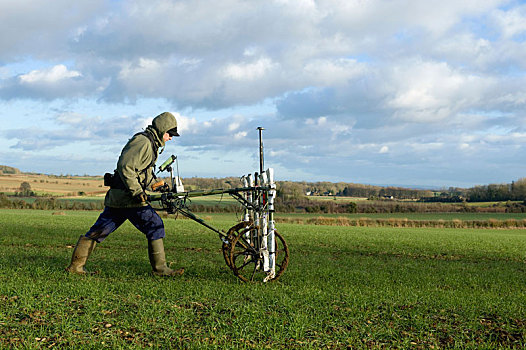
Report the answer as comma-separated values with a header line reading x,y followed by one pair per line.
x,y
33,260
38,263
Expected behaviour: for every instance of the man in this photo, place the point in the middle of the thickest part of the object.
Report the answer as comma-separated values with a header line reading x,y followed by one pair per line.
x,y
127,200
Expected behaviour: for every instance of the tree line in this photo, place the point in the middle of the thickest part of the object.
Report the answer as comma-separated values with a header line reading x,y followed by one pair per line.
x,y
498,192
288,190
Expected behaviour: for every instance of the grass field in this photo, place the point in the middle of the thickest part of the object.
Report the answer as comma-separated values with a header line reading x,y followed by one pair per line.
x,y
363,287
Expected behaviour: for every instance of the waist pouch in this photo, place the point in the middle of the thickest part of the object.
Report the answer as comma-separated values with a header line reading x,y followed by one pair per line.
x,y
114,181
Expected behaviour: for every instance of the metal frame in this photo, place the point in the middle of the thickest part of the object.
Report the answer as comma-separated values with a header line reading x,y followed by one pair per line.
x,y
253,249
173,202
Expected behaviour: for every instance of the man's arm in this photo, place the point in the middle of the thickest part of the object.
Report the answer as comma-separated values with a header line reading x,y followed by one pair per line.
x,y
136,156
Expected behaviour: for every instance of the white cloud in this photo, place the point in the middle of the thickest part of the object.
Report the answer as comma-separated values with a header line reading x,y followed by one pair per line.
x,y
511,22
233,126
240,135
144,68
317,122
71,118
51,75
432,91
249,71
327,72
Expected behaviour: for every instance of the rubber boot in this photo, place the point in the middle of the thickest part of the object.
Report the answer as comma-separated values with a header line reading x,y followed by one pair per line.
x,y
80,255
158,259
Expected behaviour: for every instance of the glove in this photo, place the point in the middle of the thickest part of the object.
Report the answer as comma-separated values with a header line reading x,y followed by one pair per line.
x,y
157,186
141,197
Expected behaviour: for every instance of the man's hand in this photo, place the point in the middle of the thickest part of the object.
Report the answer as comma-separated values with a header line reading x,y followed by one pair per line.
x,y
157,186
141,197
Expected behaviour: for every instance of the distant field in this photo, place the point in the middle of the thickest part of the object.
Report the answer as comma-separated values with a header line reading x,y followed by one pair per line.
x,y
340,199
214,200
68,188
53,185
345,287
337,199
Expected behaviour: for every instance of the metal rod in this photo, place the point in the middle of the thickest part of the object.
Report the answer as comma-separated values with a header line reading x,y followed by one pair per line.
x,y
202,193
178,176
261,163
197,219
248,205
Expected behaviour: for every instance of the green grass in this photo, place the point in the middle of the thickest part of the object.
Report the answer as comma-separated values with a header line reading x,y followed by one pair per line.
x,y
363,287
221,200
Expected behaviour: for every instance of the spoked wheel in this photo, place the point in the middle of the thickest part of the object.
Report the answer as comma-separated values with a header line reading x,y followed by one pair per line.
x,y
232,233
247,262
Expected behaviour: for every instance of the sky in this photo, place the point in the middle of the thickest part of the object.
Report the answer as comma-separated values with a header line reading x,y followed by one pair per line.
x,y
389,92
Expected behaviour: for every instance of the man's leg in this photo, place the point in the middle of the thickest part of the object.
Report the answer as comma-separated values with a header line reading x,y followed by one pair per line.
x,y
146,220
109,220
80,255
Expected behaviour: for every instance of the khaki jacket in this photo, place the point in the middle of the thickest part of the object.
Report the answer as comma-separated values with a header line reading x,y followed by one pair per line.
x,y
135,163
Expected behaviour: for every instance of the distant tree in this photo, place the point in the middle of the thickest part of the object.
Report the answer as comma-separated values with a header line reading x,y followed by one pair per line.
x,y
25,186
25,190
518,189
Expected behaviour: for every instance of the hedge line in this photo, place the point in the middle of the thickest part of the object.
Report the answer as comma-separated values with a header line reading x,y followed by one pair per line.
x,y
47,203
403,222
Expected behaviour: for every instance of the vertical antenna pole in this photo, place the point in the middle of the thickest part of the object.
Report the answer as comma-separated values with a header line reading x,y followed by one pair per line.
x,y
177,165
260,150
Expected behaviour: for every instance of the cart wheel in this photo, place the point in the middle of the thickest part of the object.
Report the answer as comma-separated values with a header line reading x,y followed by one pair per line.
x,y
247,262
232,233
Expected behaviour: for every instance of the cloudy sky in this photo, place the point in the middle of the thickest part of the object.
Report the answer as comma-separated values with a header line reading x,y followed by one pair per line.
x,y
406,92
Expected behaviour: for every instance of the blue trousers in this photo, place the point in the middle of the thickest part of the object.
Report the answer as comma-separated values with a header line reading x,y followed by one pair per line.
x,y
145,219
